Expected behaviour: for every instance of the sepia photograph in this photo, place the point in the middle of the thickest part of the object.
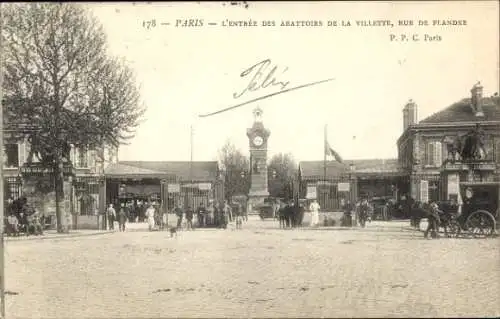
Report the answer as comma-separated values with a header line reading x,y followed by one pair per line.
x,y
247,159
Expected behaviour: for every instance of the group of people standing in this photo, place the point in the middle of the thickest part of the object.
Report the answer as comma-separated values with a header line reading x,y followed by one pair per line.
x,y
122,216
21,217
217,215
290,214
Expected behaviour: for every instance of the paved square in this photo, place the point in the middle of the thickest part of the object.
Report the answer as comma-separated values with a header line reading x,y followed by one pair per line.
x,y
260,271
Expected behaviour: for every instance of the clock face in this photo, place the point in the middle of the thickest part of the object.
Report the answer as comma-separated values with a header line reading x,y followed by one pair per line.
x,y
257,141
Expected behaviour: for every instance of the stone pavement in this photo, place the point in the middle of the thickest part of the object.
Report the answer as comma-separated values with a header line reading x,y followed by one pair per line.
x,y
384,270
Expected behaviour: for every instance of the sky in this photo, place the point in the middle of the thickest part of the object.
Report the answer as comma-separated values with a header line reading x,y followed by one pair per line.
x,y
187,71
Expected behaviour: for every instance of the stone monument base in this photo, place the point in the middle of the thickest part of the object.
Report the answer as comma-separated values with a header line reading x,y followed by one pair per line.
x,y
255,199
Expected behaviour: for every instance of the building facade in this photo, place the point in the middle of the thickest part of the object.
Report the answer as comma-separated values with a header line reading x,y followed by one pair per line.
x,y
171,183
428,150
350,180
25,176
428,167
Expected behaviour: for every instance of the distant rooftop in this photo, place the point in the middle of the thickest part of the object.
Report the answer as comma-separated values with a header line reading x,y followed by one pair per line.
x,y
181,170
315,169
461,112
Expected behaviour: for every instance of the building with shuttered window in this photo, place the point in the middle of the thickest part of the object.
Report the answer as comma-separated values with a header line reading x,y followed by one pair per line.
x,y
423,152
423,169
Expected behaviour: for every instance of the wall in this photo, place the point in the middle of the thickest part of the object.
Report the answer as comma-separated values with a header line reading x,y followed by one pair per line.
x,y
88,222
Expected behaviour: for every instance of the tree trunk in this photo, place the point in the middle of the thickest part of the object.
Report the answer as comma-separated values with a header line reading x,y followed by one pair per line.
x,y
59,188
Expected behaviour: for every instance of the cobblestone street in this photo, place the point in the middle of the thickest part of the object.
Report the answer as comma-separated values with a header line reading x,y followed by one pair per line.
x,y
260,271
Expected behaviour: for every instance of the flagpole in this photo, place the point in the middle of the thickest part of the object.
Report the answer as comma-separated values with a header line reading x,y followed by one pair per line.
x,y
324,154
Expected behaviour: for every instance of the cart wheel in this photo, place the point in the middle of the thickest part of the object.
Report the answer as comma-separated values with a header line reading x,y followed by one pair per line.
x,y
480,224
454,229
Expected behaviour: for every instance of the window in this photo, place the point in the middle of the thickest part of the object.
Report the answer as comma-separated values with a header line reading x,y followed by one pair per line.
x,y
424,191
434,153
11,155
82,157
12,188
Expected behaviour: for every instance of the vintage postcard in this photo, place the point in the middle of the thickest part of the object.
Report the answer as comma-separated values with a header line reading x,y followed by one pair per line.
x,y
250,159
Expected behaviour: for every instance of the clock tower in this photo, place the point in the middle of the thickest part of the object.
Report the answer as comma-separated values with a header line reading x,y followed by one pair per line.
x,y
258,136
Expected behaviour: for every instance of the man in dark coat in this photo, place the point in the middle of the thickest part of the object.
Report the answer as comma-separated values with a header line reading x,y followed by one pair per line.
x,y
433,221
300,214
178,212
201,214
189,218
122,217
289,212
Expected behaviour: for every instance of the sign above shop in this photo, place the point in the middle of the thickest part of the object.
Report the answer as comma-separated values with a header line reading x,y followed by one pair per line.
x,y
343,187
173,188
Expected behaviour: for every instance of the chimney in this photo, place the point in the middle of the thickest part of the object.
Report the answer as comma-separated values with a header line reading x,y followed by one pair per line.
x,y
477,99
409,114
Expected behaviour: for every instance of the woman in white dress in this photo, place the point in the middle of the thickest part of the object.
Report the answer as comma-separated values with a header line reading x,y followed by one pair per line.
x,y
150,214
314,208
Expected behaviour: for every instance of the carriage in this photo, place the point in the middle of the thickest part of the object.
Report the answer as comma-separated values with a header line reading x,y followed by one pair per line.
x,y
479,214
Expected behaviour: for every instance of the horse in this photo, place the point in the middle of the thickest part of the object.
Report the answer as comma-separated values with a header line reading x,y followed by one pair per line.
x,y
417,211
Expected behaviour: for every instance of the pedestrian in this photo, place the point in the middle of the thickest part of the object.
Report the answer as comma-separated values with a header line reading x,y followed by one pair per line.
x,y
189,218
150,215
288,214
211,213
239,217
12,225
282,215
164,217
314,208
201,214
226,215
433,221
122,217
347,212
301,211
228,212
35,223
217,214
111,213
178,212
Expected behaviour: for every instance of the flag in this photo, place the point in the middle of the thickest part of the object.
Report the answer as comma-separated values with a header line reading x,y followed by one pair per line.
x,y
329,151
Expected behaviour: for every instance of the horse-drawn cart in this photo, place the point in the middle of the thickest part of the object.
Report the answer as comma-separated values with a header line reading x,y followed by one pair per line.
x,y
480,211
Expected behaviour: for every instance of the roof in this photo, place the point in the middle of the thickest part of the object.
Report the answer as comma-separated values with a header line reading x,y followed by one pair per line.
x,y
461,111
315,169
389,165
185,171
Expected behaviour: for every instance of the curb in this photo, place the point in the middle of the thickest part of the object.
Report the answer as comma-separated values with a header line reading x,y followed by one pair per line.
x,y
70,235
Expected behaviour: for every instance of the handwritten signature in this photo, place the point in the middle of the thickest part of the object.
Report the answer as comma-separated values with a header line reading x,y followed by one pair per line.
x,y
263,77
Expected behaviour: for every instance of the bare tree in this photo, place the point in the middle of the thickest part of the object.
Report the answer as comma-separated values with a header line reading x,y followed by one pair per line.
x,y
60,87
282,170
236,166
